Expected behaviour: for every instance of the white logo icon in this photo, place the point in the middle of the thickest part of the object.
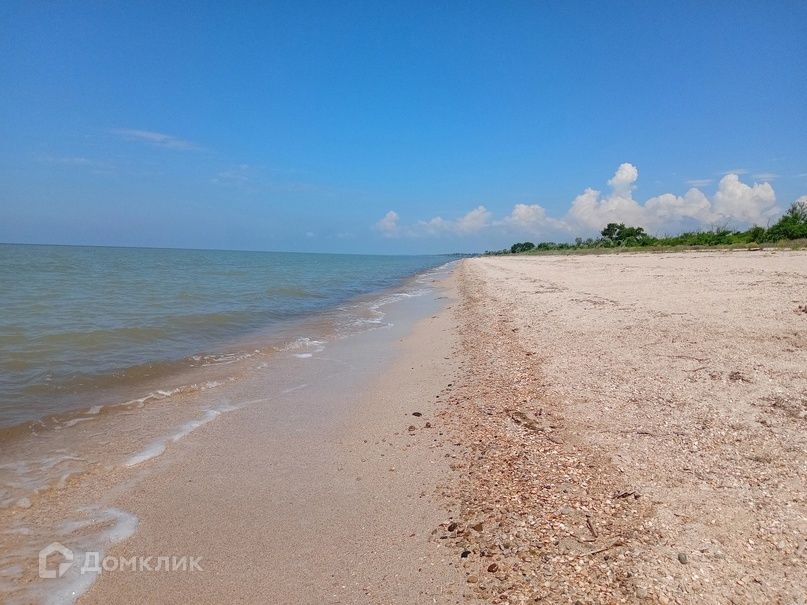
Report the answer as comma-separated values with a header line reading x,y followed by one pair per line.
x,y
49,550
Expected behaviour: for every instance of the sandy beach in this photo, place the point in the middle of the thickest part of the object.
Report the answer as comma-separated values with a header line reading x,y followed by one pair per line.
x,y
560,429
329,495
633,428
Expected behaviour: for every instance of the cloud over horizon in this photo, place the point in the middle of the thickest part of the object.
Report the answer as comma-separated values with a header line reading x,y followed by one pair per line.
x,y
734,203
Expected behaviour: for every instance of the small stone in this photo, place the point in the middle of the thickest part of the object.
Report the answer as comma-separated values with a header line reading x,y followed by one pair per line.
x,y
428,425
418,414
411,428
472,579
641,592
477,527
493,568
465,554
24,503
682,558
452,526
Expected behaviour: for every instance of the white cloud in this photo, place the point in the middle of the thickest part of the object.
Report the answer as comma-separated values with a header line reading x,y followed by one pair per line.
x,y
476,220
238,175
766,176
155,138
388,225
735,204
624,178
68,160
473,222
737,201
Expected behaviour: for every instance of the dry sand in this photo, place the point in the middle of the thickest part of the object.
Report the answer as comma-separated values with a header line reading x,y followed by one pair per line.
x,y
602,429
632,428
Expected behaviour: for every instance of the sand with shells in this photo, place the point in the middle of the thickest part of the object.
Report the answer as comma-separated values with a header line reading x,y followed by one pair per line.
x,y
631,427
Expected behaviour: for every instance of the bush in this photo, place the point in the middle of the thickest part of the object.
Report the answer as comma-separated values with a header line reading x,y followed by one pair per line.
x,y
792,225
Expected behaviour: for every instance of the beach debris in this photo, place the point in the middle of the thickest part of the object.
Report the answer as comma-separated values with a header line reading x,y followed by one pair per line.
x,y
418,414
738,377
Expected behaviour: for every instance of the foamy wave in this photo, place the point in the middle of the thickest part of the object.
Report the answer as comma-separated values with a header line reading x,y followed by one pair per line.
x,y
158,447
100,529
222,359
24,478
305,347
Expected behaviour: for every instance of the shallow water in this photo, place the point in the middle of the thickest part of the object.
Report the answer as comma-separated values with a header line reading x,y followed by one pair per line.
x,y
59,475
82,325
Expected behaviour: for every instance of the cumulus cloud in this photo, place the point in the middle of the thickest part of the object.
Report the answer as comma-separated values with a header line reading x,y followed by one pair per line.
x,y
474,221
388,225
735,200
529,218
734,204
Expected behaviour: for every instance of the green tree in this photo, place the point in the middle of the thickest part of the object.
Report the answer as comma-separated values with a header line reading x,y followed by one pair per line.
x,y
792,225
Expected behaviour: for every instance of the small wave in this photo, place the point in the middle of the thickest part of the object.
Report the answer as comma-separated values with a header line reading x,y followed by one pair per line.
x,y
97,532
158,447
305,347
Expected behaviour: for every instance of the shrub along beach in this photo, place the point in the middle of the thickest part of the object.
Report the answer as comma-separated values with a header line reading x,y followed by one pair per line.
x,y
789,231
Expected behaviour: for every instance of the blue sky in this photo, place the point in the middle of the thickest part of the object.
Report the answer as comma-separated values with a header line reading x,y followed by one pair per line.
x,y
395,127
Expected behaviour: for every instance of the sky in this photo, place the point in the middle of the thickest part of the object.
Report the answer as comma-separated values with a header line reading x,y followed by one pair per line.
x,y
384,127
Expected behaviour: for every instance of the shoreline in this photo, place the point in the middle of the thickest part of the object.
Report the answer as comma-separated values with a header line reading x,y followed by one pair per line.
x,y
340,499
78,488
537,429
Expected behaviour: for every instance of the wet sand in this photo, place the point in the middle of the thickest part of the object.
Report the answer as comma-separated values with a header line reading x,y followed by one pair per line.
x,y
327,495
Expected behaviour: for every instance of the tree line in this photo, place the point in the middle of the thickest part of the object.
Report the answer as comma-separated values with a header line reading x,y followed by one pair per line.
x,y
791,226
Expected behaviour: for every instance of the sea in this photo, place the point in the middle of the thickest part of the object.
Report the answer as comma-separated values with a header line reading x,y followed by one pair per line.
x,y
80,325
111,357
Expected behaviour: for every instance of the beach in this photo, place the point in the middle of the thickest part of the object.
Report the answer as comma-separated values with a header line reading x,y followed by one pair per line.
x,y
634,427
593,429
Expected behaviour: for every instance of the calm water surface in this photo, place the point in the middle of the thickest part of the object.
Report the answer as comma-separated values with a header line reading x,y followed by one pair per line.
x,y
77,320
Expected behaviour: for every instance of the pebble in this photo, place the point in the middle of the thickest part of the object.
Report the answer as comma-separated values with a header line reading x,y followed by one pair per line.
x,y
682,558
472,579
